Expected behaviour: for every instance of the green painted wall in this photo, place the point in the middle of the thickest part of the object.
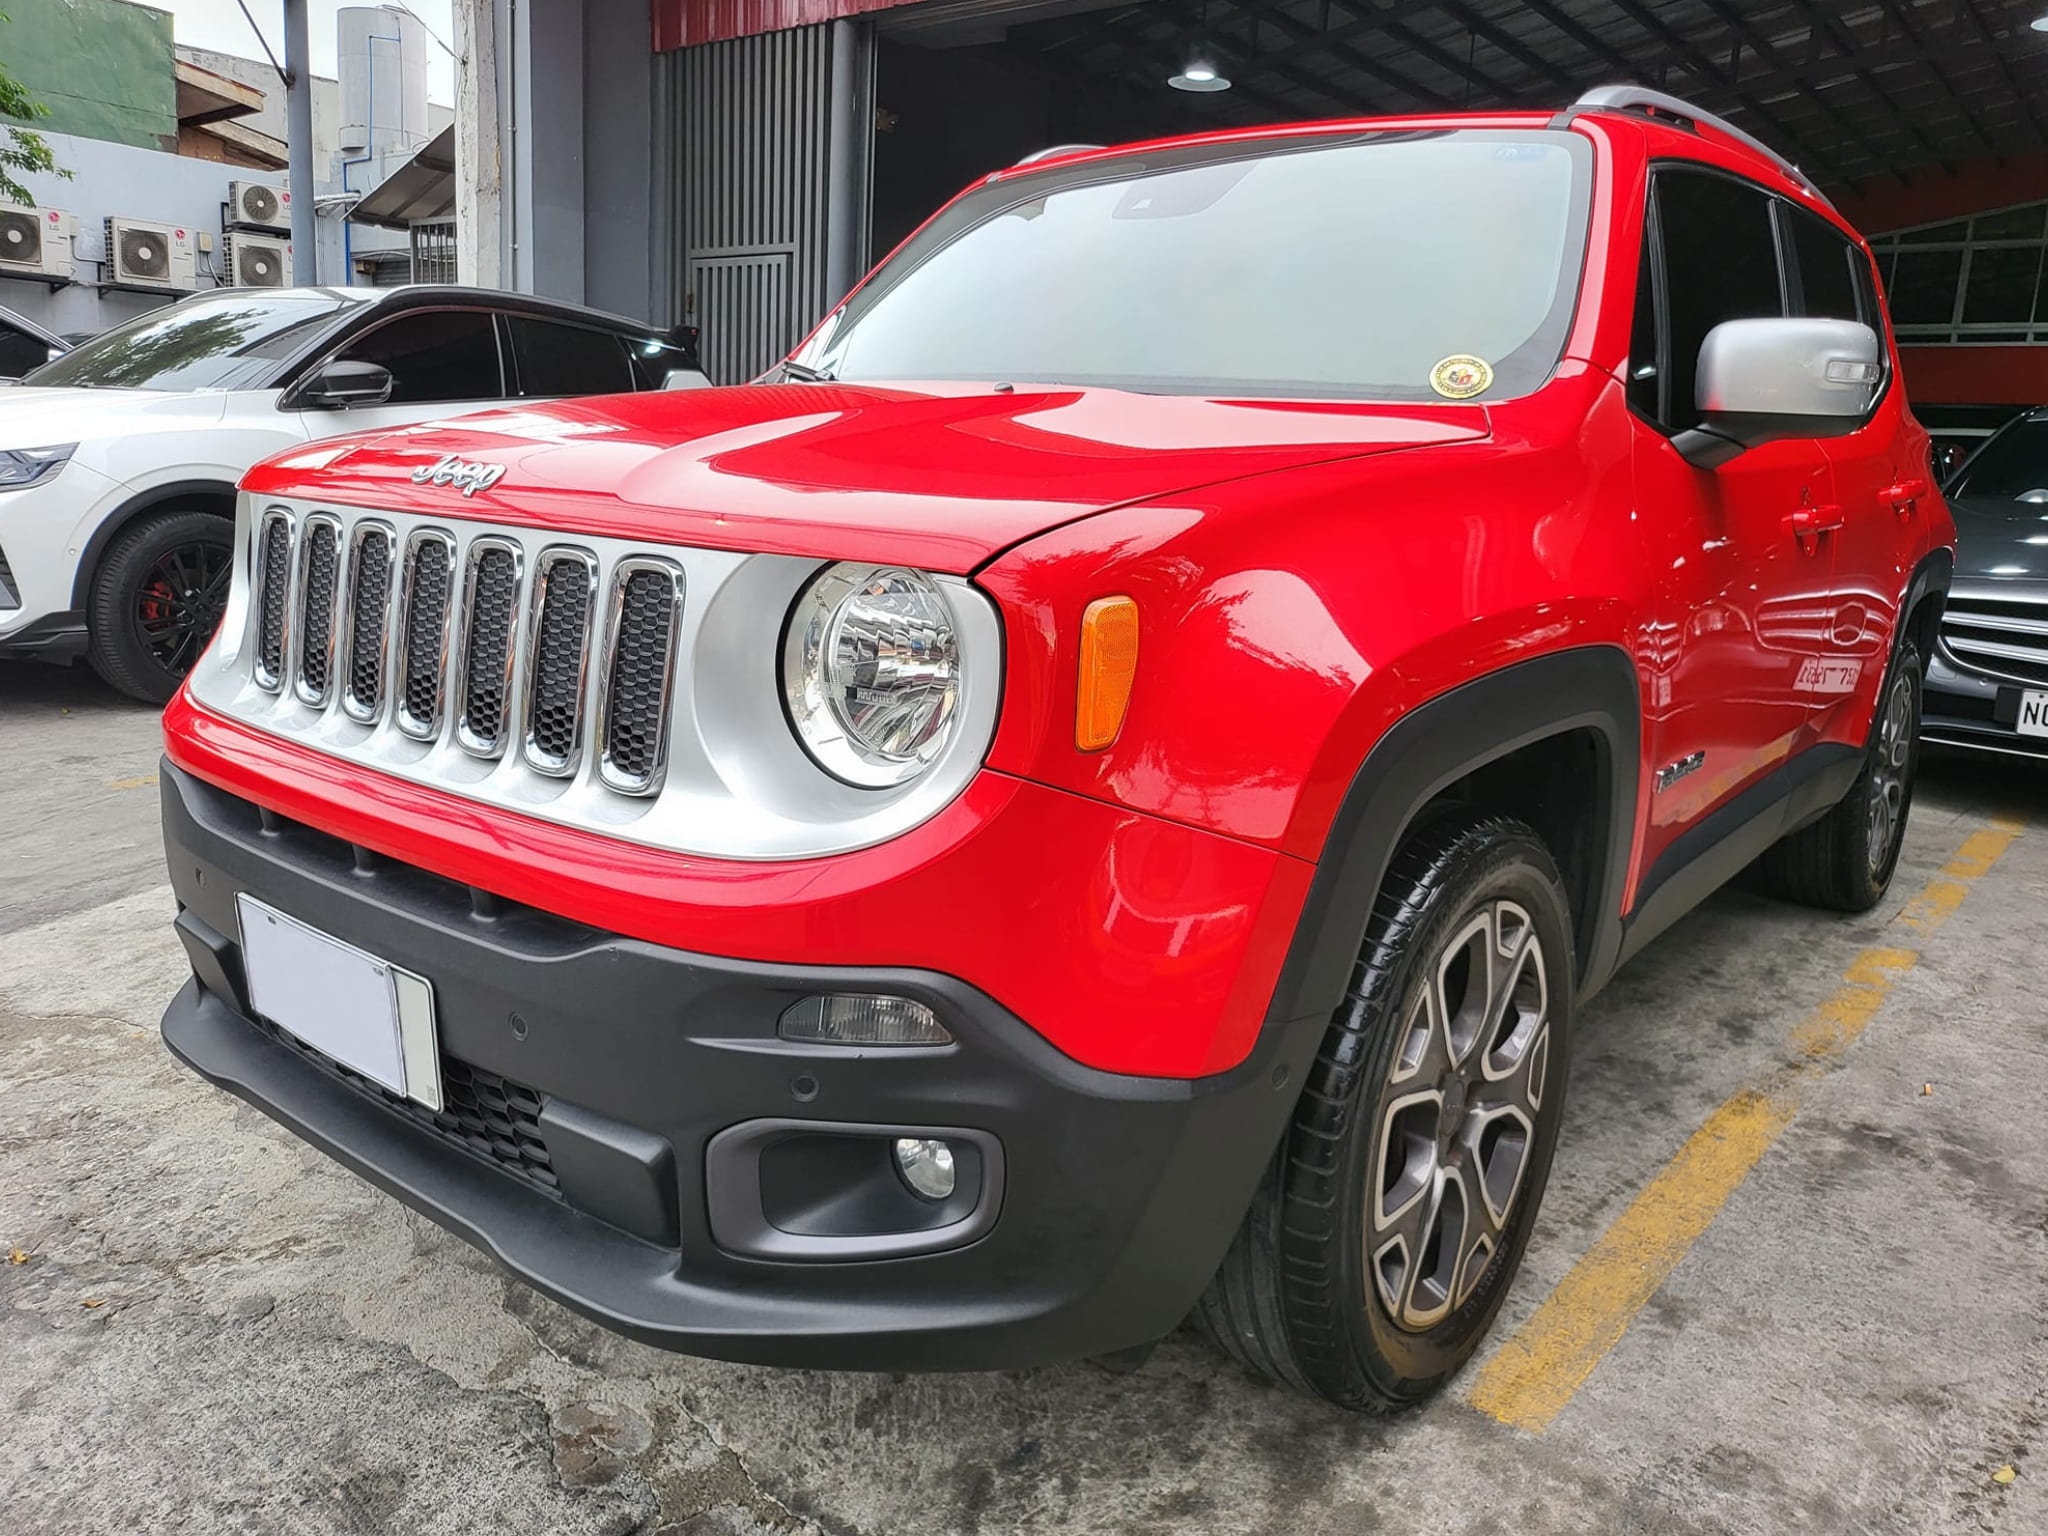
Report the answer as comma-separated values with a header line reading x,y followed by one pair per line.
x,y
102,67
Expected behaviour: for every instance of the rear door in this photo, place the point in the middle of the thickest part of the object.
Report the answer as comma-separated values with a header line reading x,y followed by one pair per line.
x,y
1881,475
553,359
1742,605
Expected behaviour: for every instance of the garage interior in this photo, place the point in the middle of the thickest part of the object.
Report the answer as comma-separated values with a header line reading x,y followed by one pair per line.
x,y
1915,115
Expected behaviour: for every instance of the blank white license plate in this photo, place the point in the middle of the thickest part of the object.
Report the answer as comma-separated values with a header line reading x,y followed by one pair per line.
x,y
2033,719
371,1016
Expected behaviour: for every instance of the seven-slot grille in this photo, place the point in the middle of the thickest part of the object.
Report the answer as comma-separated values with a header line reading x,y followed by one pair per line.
x,y
439,633
423,622
319,573
640,655
272,584
490,612
2003,635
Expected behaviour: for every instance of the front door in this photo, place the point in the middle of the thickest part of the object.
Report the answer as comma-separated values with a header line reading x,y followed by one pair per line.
x,y
443,362
1745,568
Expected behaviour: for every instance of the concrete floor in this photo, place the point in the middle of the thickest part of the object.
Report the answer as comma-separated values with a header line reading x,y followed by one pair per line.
x,y
216,1330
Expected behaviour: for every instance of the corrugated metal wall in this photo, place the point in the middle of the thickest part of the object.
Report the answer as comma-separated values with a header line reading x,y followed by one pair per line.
x,y
749,128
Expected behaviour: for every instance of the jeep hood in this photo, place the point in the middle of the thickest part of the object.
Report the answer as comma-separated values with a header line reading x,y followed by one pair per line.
x,y
937,476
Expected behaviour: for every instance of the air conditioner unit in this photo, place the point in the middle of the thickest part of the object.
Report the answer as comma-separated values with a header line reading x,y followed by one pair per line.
x,y
257,261
258,205
144,255
35,242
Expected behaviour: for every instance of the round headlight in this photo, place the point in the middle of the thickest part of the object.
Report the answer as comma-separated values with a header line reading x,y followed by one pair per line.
x,y
871,671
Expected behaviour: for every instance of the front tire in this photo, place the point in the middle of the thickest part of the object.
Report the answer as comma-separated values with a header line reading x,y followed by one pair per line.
x,y
1845,860
157,599
1397,1209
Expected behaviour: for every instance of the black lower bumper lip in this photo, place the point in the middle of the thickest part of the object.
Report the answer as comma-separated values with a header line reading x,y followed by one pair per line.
x,y
600,1085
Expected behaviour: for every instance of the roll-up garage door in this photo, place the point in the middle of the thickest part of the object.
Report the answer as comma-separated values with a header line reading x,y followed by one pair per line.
x,y
750,127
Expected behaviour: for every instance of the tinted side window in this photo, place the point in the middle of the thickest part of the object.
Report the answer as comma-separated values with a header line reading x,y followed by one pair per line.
x,y
1720,263
557,359
20,352
1645,357
1827,268
653,360
442,354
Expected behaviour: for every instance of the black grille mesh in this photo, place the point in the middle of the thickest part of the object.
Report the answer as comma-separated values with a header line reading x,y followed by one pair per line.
x,y
491,1116
489,645
10,594
370,593
558,658
426,614
639,680
277,577
323,565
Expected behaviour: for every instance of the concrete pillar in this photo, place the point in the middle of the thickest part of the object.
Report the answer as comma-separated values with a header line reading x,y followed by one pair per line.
x,y
298,112
544,146
479,151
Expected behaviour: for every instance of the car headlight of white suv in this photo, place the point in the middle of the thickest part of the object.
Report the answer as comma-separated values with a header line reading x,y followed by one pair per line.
x,y
23,467
871,673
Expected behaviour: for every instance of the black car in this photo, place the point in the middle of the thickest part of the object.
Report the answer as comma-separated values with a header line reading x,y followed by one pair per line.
x,y
1987,684
25,345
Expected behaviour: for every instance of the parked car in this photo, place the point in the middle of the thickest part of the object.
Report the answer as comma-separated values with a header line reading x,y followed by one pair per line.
x,y
118,460
1058,816
1987,681
24,345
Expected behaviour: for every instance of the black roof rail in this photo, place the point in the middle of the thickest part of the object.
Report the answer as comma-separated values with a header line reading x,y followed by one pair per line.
x,y
1640,99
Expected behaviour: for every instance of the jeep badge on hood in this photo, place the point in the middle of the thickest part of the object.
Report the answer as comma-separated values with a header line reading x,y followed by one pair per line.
x,y
465,475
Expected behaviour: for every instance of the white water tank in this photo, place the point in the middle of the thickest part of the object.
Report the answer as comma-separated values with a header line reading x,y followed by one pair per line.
x,y
382,64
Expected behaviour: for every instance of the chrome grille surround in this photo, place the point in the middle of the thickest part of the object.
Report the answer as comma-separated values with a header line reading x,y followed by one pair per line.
x,y
270,554
643,617
425,616
558,658
734,783
1998,629
365,659
315,590
487,620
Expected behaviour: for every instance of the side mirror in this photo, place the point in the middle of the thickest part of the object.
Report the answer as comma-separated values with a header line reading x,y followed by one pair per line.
x,y
343,384
1947,458
1762,380
685,378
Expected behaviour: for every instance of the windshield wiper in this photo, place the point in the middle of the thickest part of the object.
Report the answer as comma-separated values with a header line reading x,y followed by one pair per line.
x,y
804,373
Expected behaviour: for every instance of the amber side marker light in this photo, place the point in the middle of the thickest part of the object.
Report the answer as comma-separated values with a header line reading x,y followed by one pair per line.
x,y
1109,662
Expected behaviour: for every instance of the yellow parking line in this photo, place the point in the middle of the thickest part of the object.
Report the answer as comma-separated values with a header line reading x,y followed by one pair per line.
x,y
1533,1374
140,781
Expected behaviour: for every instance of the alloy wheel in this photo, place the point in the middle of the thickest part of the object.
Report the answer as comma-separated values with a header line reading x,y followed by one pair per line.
x,y
1888,773
1459,1117
179,602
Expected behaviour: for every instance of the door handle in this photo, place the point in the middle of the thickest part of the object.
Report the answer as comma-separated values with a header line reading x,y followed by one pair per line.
x,y
1903,496
1811,522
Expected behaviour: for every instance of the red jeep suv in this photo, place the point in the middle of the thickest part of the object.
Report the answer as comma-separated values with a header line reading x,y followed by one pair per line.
x,y
1096,791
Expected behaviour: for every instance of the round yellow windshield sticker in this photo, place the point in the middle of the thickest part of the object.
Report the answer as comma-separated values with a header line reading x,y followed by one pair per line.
x,y
1461,377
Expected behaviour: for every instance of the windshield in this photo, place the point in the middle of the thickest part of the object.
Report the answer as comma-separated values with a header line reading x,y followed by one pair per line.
x,y
1376,265
2012,466
234,341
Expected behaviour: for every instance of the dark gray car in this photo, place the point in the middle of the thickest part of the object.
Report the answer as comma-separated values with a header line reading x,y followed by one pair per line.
x,y
1987,684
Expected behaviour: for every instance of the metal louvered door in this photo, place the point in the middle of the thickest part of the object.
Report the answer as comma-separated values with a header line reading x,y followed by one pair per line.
x,y
767,187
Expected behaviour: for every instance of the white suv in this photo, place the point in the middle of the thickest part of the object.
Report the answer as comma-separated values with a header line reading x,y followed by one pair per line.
x,y
118,460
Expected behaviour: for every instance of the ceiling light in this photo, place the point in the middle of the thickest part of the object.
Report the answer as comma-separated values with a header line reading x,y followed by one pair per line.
x,y
2039,23
1201,75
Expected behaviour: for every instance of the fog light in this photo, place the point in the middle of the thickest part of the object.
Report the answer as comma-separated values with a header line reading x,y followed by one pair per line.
x,y
861,1019
926,1166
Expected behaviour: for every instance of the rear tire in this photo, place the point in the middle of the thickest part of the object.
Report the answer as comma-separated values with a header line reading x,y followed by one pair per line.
x,y
1396,1210
1845,860
157,599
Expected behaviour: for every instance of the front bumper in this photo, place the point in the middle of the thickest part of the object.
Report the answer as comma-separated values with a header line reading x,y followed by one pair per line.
x,y
1963,707
595,1073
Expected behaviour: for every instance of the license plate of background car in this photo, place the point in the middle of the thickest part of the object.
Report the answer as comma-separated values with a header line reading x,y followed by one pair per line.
x,y
2033,717
373,1017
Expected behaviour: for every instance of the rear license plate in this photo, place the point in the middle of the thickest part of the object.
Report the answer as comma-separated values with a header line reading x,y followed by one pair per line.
x,y
373,1017
2033,718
